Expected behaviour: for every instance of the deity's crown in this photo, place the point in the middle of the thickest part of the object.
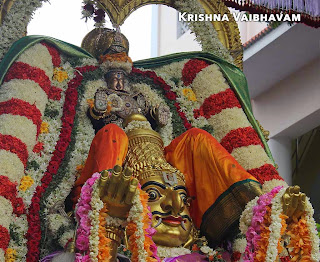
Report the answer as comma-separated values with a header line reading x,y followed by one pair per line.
x,y
146,151
110,47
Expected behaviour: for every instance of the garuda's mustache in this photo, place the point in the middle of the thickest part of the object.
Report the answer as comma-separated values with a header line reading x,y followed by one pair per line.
x,y
169,214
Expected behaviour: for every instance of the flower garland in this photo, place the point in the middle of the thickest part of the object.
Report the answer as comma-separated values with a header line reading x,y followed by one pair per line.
x,y
267,226
15,23
205,33
168,93
155,100
52,169
29,109
83,210
254,232
91,217
277,227
139,229
166,252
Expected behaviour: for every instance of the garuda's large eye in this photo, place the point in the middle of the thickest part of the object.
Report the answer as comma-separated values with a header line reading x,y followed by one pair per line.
x,y
184,198
154,194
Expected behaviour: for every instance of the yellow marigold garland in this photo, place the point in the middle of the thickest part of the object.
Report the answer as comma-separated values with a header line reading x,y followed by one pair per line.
x,y
25,183
44,129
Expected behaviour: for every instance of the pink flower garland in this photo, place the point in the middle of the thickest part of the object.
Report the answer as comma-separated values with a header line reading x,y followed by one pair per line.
x,y
82,210
253,233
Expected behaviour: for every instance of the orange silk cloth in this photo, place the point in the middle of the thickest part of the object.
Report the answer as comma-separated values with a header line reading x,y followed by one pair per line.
x,y
210,171
208,168
108,148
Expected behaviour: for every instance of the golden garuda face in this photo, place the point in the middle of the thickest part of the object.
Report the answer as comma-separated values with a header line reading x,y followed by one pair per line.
x,y
169,207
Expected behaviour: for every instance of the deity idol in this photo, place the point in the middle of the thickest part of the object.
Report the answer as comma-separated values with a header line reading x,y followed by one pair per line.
x,y
56,100
174,211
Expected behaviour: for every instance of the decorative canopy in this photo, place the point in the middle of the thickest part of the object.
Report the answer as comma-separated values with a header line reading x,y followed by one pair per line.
x,y
309,9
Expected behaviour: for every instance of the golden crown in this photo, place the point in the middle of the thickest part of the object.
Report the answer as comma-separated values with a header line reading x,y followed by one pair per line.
x,y
105,41
146,151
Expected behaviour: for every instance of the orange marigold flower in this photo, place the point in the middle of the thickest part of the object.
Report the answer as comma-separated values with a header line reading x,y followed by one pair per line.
x,y
119,57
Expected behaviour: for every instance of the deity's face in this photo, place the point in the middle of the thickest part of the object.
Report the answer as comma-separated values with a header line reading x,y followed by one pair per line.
x,y
116,80
170,214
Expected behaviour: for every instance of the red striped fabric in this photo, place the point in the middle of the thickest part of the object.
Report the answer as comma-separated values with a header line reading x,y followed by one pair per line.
x,y
55,54
240,137
4,238
15,146
19,107
215,103
265,173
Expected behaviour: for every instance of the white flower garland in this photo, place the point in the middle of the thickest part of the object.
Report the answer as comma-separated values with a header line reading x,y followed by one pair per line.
x,y
136,217
26,132
227,120
11,166
246,216
107,65
275,227
55,221
117,222
171,71
32,57
271,184
26,90
66,236
15,23
7,210
155,100
239,245
314,239
166,252
205,33
137,125
20,225
209,81
85,132
250,157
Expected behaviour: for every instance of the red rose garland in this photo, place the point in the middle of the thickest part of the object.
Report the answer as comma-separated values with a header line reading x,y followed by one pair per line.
x,y
265,173
8,190
20,70
235,256
34,231
168,93
19,107
191,69
15,146
4,238
55,54
38,147
214,104
240,137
